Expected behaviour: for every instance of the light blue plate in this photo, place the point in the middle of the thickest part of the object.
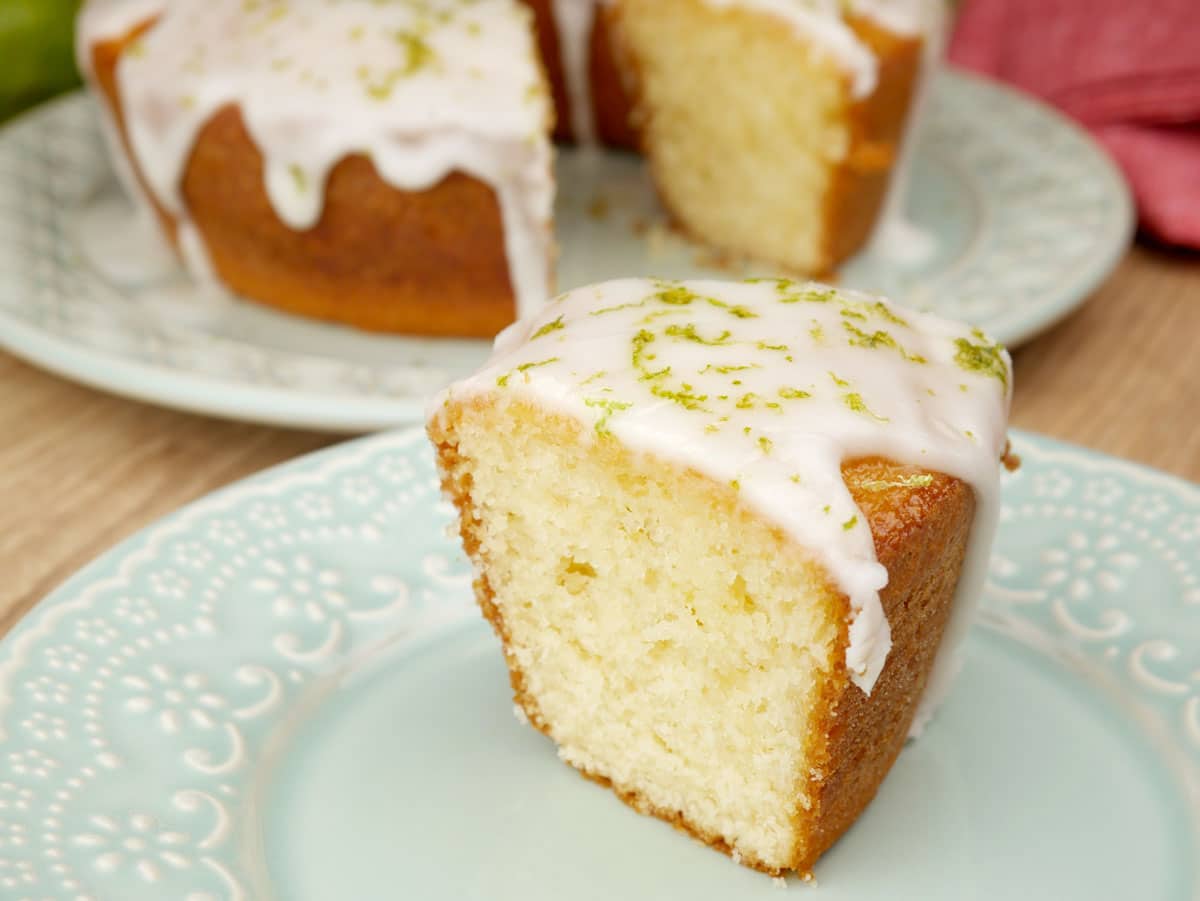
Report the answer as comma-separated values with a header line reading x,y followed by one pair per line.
x,y
285,692
1026,216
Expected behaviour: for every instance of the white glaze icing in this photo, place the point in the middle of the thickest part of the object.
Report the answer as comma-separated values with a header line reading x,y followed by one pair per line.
x,y
421,87
823,22
769,386
574,20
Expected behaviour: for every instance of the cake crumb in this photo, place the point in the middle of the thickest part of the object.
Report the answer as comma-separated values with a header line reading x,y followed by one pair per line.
x,y
779,882
520,714
598,208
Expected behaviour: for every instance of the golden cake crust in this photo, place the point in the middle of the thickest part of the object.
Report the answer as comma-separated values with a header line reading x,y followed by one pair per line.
x,y
877,124
429,262
920,534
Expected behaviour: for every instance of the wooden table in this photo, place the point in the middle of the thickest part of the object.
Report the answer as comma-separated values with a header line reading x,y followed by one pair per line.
x,y
80,470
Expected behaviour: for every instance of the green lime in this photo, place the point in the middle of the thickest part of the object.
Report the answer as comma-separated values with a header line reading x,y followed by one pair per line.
x,y
36,46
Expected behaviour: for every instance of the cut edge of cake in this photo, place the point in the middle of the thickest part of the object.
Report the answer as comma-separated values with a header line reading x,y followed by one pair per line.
x,y
850,740
714,150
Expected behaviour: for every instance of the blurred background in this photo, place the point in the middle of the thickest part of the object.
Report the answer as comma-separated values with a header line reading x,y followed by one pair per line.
x,y
36,58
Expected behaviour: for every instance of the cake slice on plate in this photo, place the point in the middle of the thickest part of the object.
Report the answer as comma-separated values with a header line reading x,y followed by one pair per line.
x,y
728,533
388,164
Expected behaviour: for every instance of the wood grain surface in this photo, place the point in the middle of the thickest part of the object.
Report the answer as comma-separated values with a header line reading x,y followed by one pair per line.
x,y
80,470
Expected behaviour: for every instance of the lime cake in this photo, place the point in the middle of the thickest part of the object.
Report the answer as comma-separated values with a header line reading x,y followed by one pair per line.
x,y
730,535
389,164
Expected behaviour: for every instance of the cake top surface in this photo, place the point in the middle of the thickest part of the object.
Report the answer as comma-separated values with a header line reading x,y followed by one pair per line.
x,y
418,64
768,386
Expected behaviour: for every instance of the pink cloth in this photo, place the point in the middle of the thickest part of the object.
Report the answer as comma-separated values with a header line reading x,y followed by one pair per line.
x,y
1128,70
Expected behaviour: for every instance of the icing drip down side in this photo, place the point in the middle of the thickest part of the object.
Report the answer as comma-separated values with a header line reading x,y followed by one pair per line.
x,y
768,386
574,20
421,88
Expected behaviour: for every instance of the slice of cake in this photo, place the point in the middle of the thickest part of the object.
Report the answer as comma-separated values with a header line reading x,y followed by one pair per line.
x,y
773,128
721,529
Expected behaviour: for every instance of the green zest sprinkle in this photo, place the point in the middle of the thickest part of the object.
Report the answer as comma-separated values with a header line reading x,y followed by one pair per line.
x,y
640,340
850,523
725,370
984,357
735,485
688,333
613,309
676,295
826,508
809,295
765,443
795,477
609,407
525,367
684,398
878,338
746,401
793,394
737,310
598,374
841,383
763,345
418,53
882,309
549,327
854,401
650,376
679,296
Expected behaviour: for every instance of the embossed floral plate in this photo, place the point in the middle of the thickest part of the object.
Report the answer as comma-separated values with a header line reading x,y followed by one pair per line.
x,y
285,692
1025,213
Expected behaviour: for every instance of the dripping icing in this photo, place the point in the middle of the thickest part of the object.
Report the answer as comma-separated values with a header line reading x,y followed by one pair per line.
x,y
574,20
702,372
422,89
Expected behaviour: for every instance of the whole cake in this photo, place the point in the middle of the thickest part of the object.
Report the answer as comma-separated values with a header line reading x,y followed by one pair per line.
x,y
730,535
389,164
